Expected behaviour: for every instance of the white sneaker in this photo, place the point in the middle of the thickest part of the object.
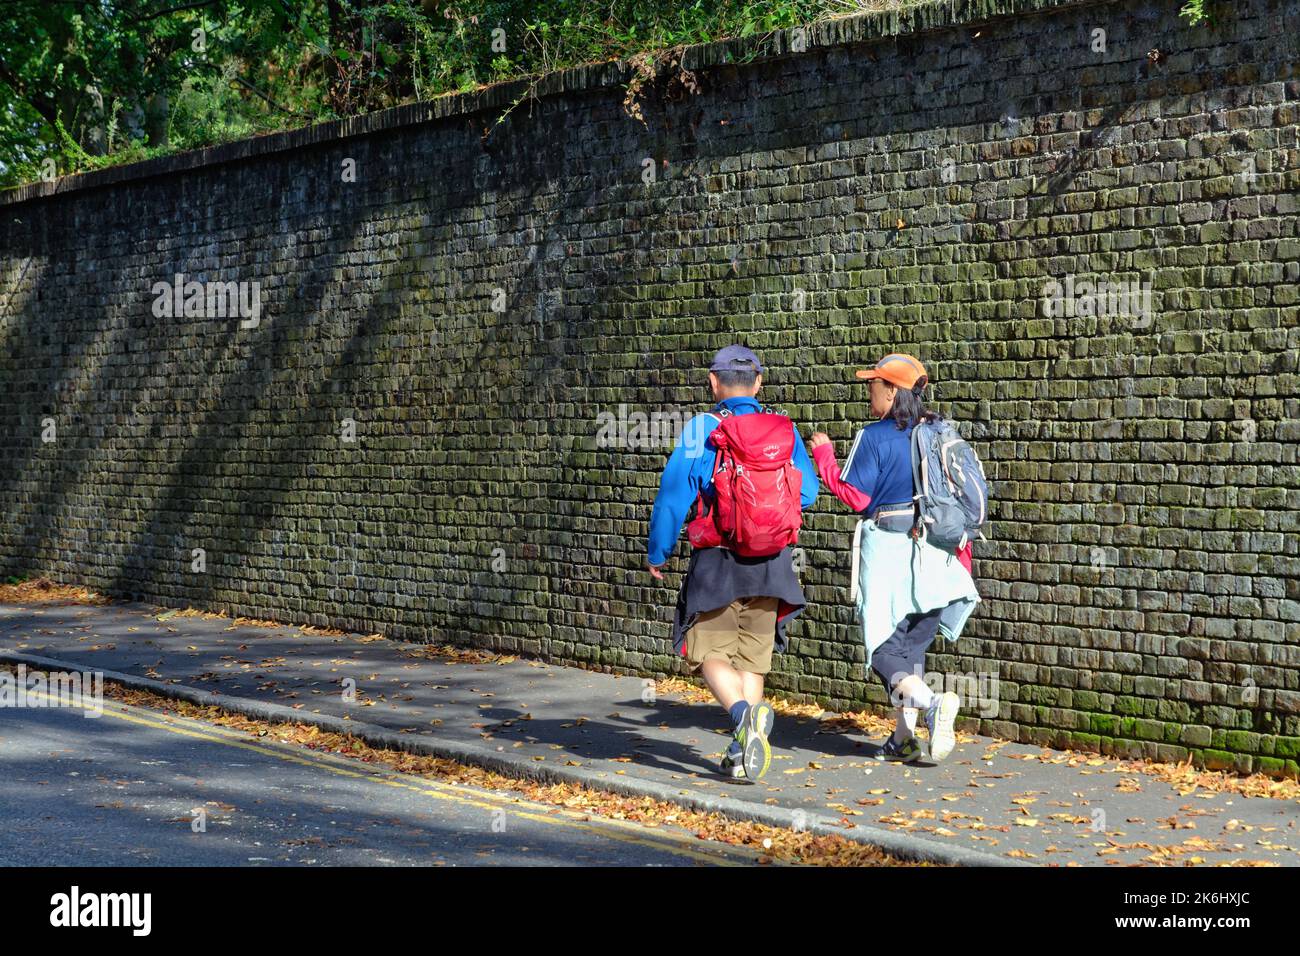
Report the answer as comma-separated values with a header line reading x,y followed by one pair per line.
x,y
941,718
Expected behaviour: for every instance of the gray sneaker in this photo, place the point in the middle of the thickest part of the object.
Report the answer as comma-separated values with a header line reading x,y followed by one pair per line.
x,y
906,752
752,735
733,763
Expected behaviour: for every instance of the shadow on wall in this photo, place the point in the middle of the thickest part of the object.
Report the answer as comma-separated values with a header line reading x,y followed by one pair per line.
x,y
214,461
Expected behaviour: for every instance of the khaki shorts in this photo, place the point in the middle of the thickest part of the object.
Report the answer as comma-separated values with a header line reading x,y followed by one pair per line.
x,y
741,633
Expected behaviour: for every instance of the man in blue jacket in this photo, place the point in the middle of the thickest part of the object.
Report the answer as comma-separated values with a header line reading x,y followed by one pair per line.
x,y
732,611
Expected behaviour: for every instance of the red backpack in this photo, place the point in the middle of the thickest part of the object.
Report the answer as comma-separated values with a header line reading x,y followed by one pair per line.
x,y
755,504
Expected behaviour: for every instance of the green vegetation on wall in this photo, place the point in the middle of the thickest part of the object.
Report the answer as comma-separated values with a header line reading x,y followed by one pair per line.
x,y
84,85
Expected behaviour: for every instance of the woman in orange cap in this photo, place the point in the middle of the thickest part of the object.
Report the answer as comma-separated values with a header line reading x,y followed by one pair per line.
x,y
907,590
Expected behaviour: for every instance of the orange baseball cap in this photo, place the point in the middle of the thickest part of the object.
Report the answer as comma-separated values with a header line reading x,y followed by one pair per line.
x,y
897,369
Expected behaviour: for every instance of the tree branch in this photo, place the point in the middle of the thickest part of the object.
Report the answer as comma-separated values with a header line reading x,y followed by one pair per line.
x,y
44,106
145,18
283,109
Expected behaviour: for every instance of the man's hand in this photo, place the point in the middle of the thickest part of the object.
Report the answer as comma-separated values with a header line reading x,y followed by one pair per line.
x,y
818,439
654,570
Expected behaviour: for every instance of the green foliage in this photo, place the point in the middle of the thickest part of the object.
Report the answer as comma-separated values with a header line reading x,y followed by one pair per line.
x,y
1194,11
92,83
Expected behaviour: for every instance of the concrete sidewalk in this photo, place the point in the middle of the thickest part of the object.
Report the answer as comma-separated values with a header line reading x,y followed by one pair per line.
x,y
989,801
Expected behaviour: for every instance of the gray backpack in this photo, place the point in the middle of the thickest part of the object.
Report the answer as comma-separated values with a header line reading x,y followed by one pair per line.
x,y
952,494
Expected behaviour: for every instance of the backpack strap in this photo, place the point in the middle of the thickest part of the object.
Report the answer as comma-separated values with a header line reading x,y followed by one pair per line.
x,y
918,481
718,413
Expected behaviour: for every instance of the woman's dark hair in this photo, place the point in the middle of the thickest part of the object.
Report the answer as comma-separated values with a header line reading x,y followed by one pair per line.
x,y
909,408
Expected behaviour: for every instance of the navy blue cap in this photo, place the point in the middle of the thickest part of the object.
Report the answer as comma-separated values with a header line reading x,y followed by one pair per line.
x,y
735,358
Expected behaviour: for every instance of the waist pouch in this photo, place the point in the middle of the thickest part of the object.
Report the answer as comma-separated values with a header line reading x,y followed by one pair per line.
x,y
897,518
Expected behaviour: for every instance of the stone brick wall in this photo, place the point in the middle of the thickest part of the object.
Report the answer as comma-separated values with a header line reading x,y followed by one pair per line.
x,y
474,305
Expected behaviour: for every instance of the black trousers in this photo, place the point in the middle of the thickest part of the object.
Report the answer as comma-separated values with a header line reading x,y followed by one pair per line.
x,y
903,653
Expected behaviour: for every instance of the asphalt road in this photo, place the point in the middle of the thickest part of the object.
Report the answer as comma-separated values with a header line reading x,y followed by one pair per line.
x,y
1015,800
126,788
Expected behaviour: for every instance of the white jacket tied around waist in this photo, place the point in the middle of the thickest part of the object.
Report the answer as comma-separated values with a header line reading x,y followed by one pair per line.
x,y
895,575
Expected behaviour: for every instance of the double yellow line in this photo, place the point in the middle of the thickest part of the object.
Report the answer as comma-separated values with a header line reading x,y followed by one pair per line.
x,y
621,830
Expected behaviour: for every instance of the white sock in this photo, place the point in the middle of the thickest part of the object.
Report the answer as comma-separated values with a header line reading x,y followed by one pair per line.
x,y
905,727
921,698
